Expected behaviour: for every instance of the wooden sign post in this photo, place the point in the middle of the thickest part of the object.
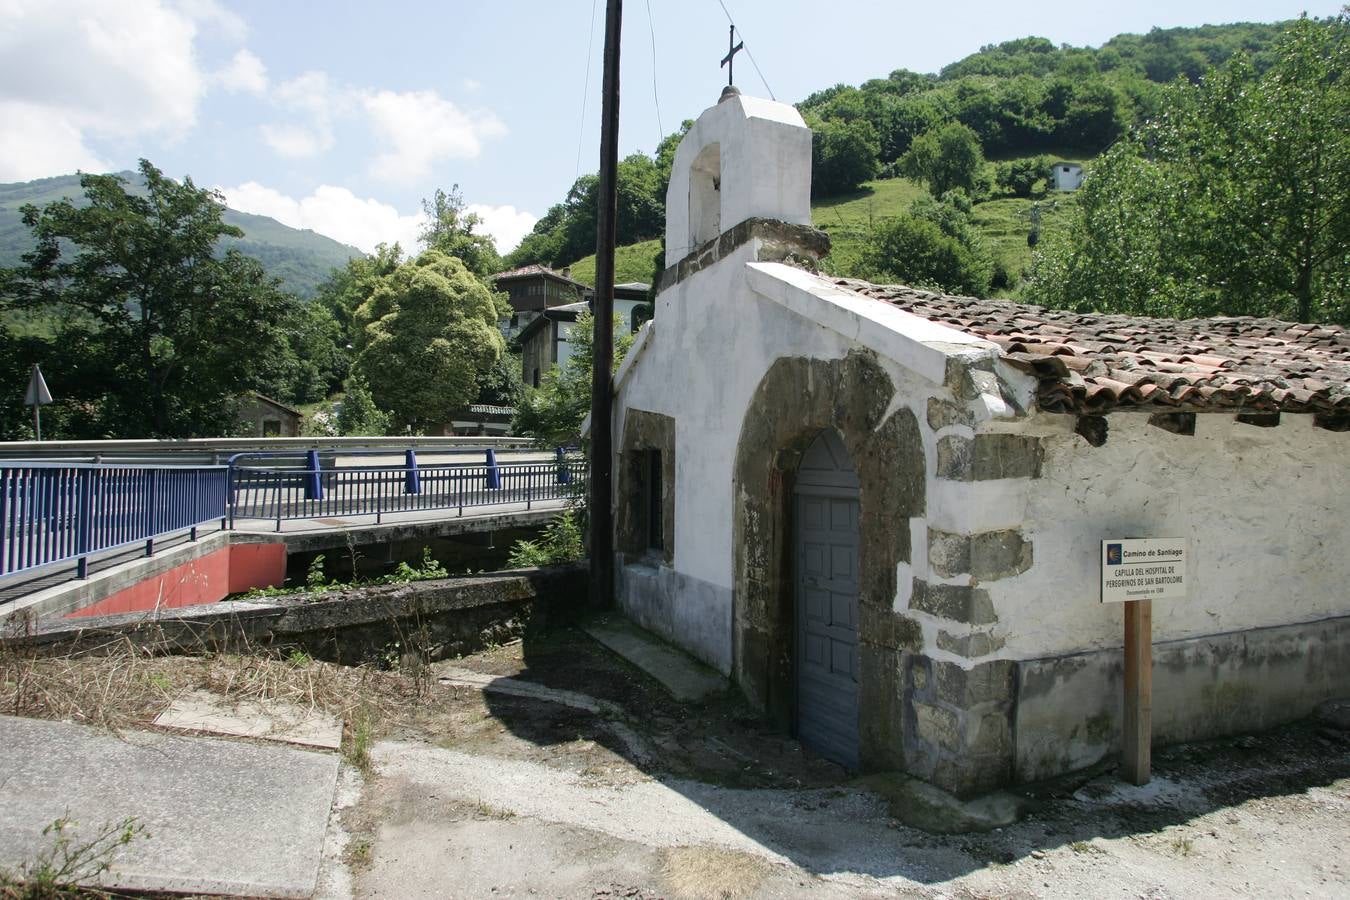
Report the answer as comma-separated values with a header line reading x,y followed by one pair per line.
x,y
1138,732
1135,573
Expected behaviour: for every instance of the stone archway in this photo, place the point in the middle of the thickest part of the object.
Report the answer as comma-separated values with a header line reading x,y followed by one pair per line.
x,y
795,400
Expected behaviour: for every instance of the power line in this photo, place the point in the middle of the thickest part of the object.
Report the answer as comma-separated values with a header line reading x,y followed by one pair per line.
x,y
747,50
651,27
585,92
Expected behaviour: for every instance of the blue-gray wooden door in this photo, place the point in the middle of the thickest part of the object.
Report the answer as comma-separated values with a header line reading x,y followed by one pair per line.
x,y
826,544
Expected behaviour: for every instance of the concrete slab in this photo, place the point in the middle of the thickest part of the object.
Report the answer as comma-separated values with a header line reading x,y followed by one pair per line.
x,y
220,817
687,679
269,720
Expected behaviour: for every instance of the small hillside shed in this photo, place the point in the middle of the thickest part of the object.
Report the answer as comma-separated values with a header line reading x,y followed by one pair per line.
x,y
879,510
1066,176
261,416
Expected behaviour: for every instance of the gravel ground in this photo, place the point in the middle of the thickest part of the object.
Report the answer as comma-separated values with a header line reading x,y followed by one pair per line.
x,y
519,795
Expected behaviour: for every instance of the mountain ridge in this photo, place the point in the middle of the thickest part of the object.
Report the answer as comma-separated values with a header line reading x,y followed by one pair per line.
x,y
302,258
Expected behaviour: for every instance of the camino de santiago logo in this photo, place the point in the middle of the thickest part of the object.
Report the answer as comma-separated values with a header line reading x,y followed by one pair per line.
x,y
1113,557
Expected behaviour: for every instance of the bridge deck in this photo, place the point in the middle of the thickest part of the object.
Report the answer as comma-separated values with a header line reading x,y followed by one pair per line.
x,y
304,535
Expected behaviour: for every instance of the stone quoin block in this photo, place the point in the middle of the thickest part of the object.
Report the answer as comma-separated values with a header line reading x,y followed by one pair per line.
x,y
960,603
989,456
987,556
943,414
969,645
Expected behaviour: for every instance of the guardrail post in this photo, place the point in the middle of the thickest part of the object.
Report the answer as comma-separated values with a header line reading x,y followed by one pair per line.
x,y
564,476
412,481
313,481
153,524
84,521
276,477
230,499
494,474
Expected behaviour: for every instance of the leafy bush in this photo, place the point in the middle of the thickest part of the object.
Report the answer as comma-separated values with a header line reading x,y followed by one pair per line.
x,y
1023,177
946,158
844,155
933,246
561,543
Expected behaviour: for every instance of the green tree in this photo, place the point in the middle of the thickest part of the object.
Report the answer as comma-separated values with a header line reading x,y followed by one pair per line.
x,y
945,158
1023,177
350,286
843,155
181,333
315,359
1235,201
450,230
934,246
567,232
554,411
358,415
424,337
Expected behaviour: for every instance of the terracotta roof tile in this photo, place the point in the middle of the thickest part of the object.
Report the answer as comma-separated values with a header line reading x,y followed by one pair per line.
x,y
1093,363
536,269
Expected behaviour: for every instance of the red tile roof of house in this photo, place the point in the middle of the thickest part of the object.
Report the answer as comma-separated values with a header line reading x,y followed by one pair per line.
x,y
536,269
1093,363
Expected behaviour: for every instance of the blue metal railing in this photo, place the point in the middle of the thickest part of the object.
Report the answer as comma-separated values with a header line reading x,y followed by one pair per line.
x,y
309,493
58,512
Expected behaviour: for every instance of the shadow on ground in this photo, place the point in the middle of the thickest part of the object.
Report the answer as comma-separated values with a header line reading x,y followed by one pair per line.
x,y
732,764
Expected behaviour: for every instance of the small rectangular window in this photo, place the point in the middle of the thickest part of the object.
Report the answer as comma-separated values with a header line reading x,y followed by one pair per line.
x,y
655,534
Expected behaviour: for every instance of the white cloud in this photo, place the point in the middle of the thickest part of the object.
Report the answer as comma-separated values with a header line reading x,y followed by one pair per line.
x,y
332,211
83,69
215,18
245,73
47,144
472,85
313,98
296,141
342,216
420,128
506,224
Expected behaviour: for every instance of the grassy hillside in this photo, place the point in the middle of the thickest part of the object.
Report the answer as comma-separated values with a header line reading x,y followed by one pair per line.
x,y
301,259
631,263
1004,223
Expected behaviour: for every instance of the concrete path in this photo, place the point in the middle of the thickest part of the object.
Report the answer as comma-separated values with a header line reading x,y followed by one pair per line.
x,y
268,720
687,679
220,816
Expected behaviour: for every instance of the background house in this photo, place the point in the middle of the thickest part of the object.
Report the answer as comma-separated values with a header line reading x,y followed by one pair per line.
x,y
1066,176
533,289
546,340
264,417
879,510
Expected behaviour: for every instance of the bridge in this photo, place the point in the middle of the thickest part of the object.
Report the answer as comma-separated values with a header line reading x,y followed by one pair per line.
x,y
85,510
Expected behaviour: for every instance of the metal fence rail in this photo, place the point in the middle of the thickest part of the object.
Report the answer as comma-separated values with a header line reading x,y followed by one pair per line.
x,y
282,494
57,512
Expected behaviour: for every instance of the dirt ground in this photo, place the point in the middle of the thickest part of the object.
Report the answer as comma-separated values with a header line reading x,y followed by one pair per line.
x,y
550,767
631,794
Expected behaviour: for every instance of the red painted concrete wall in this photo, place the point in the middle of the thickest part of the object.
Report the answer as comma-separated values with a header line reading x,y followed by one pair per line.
x,y
203,580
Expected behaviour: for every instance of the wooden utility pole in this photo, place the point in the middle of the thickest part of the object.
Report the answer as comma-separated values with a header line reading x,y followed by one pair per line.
x,y
602,434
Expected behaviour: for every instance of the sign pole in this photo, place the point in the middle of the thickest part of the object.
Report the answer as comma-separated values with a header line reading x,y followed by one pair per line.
x,y
1138,734
37,396
1135,572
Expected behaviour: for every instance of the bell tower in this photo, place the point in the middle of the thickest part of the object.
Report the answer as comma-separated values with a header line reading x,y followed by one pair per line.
x,y
744,158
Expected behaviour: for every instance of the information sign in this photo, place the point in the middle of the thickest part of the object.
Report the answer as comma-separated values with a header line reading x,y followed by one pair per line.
x,y
1143,569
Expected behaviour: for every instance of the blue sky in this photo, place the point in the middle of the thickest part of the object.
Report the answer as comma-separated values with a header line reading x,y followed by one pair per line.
x,y
341,116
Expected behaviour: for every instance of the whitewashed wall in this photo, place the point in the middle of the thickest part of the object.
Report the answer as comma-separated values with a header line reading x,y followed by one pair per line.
x,y
713,339
1264,511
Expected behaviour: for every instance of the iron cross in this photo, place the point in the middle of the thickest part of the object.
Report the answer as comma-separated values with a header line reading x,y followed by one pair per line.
x,y
735,48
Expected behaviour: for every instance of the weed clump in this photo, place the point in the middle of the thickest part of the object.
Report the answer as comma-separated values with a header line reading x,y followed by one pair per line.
x,y
59,869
